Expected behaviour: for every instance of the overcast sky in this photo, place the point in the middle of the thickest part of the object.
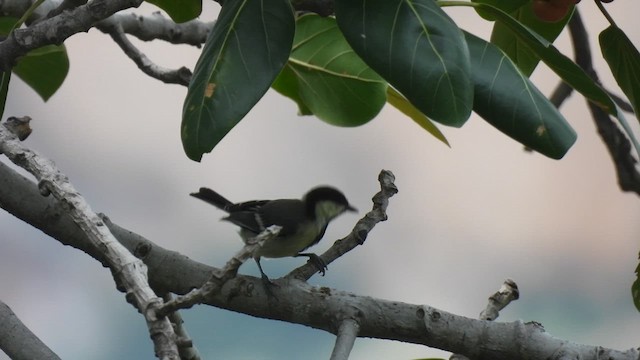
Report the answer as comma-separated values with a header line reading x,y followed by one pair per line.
x,y
466,217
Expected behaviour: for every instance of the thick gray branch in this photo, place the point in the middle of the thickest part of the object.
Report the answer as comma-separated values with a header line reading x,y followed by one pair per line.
x,y
296,301
17,341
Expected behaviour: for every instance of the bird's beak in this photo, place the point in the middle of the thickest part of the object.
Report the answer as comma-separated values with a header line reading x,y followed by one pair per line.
x,y
351,208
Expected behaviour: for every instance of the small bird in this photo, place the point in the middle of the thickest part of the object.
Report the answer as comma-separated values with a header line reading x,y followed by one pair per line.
x,y
303,222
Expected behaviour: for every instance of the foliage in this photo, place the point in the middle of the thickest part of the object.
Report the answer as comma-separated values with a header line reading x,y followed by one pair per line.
x,y
423,58
343,69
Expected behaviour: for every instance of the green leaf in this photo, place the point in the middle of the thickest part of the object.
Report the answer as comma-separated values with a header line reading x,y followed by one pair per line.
x,y
244,53
514,46
43,69
326,78
564,67
504,5
401,103
506,98
5,77
635,289
624,60
417,48
288,84
179,10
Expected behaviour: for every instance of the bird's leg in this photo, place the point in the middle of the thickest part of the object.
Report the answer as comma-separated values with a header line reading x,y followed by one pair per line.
x,y
316,261
265,279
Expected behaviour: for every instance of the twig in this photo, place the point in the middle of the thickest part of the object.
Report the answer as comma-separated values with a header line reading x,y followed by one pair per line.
x,y
499,300
129,271
181,76
359,233
220,276
17,341
185,344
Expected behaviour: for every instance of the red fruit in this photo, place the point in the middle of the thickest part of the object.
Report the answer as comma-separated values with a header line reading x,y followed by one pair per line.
x,y
552,10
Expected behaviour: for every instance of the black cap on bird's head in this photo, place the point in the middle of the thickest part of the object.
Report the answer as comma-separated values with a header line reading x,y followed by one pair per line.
x,y
327,195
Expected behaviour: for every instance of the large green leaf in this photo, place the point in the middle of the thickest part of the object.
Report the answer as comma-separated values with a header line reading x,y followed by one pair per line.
x,y
326,78
564,67
179,10
506,98
43,69
288,84
514,46
245,51
624,60
398,101
417,48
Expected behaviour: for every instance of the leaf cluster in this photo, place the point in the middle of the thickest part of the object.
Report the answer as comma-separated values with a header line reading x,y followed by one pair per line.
x,y
408,53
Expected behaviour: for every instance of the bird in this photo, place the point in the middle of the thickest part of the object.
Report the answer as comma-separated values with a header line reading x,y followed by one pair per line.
x,y
303,221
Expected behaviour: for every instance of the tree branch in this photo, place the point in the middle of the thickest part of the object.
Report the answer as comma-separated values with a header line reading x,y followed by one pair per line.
x,y
181,76
185,344
359,233
616,142
346,337
129,271
158,27
58,28
500,299
17,341
297,302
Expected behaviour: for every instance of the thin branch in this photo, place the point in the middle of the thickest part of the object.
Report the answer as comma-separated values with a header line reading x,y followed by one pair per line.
x,y
58,28
129,271
620,149
220,276
362,228
185,344
500,299
181,76
582,51
17,341
507,293
347,334
617,143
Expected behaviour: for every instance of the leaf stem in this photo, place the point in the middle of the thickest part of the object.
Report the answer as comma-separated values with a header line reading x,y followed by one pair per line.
x,y
443,3
605,13
27,13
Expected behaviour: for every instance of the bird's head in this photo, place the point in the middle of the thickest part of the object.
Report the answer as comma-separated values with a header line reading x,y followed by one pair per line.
x,y
324,203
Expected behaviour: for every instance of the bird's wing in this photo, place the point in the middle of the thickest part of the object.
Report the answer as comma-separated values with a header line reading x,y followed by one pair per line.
x,y
272,212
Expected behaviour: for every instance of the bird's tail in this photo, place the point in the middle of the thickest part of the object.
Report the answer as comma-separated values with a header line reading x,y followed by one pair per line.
x,y
213,198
